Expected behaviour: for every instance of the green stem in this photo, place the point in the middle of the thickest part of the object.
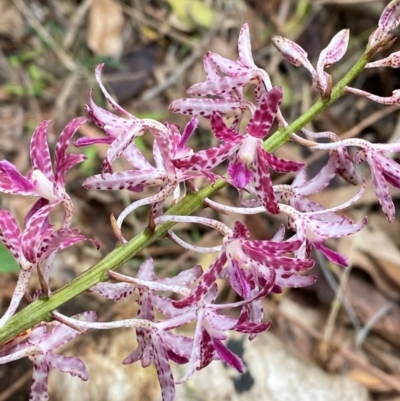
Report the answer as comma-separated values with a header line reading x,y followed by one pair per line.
x,y
41,309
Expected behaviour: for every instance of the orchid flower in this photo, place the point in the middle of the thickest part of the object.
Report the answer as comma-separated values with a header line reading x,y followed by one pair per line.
x,y
175,163
34,248
154,345
250,263
211,324
229,87
42,180
39,346
250,150
384,170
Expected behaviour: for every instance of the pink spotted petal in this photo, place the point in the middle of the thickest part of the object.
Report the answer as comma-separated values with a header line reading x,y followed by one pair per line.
x,y
184,278
178,344
19,292
40,154
228,356
284,263
295,281
136,354
163,144
237,279
240,230
61,334
244,325
10,234
226,66
206,106
272,247
165,306
222,85
110,100
121,143
70,161
205,160
334,51
113,291
146,270
331,255
31,238
240,174
264,116
62,161
205,283
12,182
65,238
390,169
393,61
68,364
263,183
244,48
104,119
291,51
164,372
380,185
317,183
133,180
92,141
334,230
390,16
40,375
135,158
220,130
210,67
187,133
278,164
197,346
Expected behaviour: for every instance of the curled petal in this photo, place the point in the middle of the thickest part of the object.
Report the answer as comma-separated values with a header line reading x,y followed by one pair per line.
x,y
244,47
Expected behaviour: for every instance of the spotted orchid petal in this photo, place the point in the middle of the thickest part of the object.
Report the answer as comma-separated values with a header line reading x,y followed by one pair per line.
x,y
388,21
13,182
292,52
393,61
133,180
222,85
62,161
261,122
244,48
206,106
40,154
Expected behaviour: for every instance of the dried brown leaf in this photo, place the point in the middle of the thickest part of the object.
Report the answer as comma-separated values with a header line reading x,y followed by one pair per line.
x,y
106,25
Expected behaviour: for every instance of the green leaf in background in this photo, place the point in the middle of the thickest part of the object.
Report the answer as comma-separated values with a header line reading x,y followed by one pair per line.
x,y
193,13
7,262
